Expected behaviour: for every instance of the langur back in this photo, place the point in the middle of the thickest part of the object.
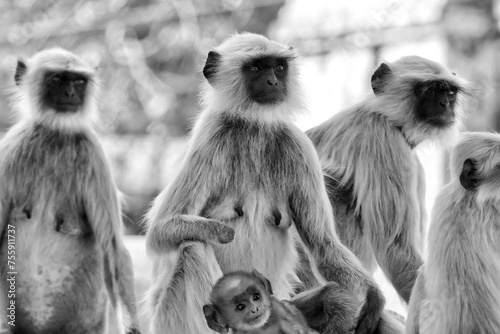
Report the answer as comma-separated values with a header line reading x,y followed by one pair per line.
x,y
458,290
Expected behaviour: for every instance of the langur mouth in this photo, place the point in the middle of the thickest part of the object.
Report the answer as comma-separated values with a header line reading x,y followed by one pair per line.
x,y
256,319
441,122
67,107
267,100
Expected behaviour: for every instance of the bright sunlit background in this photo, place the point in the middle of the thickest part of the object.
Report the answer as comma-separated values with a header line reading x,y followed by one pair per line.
x,y
150,52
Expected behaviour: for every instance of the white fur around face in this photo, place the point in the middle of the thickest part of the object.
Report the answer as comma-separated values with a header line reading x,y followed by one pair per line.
x,y
223,94
27,97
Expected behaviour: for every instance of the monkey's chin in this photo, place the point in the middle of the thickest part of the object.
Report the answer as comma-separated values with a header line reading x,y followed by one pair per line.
x,y
257,322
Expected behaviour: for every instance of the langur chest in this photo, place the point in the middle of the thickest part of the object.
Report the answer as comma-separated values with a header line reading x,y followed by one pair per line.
x,y
256,158
49,161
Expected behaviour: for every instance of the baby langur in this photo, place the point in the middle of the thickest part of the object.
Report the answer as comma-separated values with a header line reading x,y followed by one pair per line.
x,y
60,205
374,179
244,302
458,288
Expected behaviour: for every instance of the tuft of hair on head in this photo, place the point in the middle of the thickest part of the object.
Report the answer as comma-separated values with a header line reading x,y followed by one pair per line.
x,y
394,86
235,281
227,91
29,79
475,165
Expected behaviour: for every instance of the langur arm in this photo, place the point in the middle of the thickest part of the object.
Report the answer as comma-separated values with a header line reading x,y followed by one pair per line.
x,y
421,189
104,215
417,295
393,227
328,309
126,286
167,235
178,212
314,221
4,201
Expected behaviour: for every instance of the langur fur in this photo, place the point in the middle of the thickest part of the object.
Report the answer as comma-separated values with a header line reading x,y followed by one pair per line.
x,y
458,290
249,189
57,193
375,182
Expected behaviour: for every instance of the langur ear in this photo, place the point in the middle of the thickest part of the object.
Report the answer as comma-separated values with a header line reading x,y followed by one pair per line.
x,y
469,178
380,77
214,319
264,281
20,71
213,60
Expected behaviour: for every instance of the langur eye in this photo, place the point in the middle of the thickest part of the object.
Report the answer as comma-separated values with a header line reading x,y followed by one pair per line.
x,y
256,296
254,69
79,82
240,307
452,93
280,68
56,78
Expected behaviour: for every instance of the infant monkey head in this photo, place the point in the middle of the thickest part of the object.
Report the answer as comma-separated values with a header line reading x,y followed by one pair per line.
x,y
240,301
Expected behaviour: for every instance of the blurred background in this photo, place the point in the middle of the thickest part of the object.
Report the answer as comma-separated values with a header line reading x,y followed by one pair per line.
x,y
150,53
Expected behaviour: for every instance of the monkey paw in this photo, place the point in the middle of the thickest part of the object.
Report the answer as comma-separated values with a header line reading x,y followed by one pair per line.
x,y
225,234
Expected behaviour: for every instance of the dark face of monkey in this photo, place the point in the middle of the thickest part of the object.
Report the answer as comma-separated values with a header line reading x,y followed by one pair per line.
x,y
64,91
266,79
241,302
436,102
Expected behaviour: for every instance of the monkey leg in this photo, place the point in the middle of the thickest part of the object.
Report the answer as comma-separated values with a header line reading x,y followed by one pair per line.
x,y
180,287
330,309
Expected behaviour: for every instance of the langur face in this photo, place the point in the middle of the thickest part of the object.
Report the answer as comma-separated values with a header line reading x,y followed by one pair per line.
x,y
436,102
266,79
248,309
64,91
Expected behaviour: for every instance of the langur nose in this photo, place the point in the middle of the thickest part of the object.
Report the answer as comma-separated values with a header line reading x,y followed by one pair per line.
x,y
272,81
255,310
443,103
70,92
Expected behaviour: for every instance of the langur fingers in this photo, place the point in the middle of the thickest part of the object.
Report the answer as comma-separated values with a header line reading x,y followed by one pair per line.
x,y
168,235
217,232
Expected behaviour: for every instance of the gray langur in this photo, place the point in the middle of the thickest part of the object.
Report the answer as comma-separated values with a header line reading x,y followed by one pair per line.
x,y
60,214
374,179
458,288
244,302
249,188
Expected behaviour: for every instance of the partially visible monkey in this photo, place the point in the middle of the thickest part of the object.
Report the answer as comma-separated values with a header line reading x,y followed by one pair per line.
x,y
251,175
245,303
458,288
60,203
373,176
